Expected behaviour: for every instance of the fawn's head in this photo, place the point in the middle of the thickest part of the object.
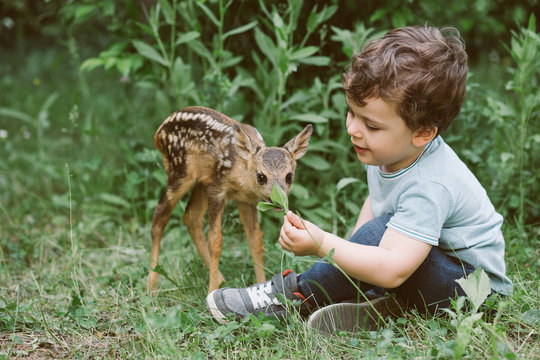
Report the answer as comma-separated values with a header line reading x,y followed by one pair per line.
x,y
269,165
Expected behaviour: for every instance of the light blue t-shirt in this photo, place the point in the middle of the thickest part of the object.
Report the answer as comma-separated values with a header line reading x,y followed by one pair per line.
x,y
439,201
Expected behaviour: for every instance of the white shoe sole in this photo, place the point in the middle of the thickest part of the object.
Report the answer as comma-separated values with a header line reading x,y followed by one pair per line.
x,y
353,317
218,315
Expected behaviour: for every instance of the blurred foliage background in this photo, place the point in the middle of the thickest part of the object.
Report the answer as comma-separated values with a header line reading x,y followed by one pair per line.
x,y
86,83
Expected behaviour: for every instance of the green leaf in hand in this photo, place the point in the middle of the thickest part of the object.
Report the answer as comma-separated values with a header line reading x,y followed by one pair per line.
x,y
278,200
279,197
265,206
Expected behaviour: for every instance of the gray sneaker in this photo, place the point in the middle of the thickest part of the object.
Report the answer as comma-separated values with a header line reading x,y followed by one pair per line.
x,y
353,317
259,298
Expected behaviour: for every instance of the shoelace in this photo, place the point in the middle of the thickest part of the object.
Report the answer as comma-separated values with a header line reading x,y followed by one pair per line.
x,y
259,295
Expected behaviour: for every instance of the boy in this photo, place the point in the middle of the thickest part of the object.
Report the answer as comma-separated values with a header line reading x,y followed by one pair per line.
x,y
426,222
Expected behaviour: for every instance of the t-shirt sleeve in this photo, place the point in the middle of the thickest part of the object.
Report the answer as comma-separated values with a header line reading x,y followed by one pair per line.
x,y
422,210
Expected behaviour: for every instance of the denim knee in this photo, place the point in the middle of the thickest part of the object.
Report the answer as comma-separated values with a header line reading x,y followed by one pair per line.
x,y
371,232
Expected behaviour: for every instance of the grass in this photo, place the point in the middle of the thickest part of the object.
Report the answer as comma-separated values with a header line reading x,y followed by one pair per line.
x,y
91,303
80,180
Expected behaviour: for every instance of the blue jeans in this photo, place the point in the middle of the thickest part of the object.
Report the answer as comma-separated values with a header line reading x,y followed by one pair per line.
x,y
430,287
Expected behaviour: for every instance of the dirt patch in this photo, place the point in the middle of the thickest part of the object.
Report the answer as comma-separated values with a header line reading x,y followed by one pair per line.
x,y
21,345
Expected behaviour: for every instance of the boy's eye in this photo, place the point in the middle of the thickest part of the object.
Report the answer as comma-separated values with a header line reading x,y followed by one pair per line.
x,y
373,128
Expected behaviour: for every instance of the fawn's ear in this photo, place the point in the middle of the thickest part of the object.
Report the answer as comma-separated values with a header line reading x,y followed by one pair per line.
x,y
298,145
244,145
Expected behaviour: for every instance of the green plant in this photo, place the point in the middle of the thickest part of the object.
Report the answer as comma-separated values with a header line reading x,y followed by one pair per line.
x,y
39,123
520,138
167,52
469,321
285,56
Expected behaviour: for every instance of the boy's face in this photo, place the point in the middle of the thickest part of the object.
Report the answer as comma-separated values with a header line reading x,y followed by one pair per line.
x,y
380,136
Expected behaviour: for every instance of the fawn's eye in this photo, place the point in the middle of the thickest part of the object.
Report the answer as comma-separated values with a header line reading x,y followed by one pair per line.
x,y
261,179
288,178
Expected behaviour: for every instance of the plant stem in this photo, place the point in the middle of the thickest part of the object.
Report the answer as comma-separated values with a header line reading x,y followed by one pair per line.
x,y
331,261
173,38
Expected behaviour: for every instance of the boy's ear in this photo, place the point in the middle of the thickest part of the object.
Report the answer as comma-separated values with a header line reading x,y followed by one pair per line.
x,y
424,136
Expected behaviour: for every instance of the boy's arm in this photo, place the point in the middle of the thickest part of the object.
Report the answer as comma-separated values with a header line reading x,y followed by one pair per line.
x,y
365,214
387,265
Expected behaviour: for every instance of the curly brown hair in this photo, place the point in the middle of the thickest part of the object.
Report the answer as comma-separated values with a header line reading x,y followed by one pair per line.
x,y
420,69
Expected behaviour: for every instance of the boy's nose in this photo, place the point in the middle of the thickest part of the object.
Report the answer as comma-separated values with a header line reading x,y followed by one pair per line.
x,y
354,130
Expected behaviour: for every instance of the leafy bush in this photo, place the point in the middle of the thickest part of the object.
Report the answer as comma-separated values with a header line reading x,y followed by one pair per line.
x,y
504,157
188,52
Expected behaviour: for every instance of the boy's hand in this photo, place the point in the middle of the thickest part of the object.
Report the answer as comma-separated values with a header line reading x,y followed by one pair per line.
x,y
296,238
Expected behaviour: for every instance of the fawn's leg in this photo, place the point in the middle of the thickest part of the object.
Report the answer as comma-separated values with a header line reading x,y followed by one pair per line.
x,y
216,204
249,217
173,193
194,220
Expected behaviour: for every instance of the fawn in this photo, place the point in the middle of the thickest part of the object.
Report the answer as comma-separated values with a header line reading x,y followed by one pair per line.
x,y
220,159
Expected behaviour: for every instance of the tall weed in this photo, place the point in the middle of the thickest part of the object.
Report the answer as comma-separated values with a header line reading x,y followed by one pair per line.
x,y
518,139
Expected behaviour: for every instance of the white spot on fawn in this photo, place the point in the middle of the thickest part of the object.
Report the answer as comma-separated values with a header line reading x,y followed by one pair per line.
x,y
259,135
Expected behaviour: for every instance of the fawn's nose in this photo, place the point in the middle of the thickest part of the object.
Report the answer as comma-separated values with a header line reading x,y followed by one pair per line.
x,y
270,187
283,186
